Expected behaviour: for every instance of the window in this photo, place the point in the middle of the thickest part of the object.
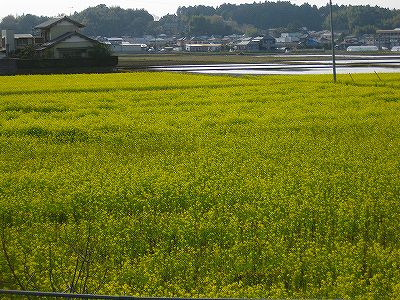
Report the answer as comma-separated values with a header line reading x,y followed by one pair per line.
x,y
72,53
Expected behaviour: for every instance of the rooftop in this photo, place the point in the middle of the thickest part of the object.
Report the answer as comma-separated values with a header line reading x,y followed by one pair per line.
x,y
23,36
52,22
64,37
396,30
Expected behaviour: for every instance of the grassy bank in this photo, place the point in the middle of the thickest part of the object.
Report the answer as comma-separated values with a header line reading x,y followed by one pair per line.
x,y
157,184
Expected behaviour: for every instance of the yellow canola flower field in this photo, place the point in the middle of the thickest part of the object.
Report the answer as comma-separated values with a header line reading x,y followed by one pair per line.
x,y
162,184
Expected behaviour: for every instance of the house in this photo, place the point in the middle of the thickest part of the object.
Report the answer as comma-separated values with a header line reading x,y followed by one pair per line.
x,y
215,40
62,39
203,47
348,42
247,45
56,27
369,39
23,40
126,47
260,43
311,43
266,42
203,39
59,41
289,38
12,42
181,43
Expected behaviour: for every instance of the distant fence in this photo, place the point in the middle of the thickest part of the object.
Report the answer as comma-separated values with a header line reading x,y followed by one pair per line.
x,y
66,62
89,296
14,66
8,67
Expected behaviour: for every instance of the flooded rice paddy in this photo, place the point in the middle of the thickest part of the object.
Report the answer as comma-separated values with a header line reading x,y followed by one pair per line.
x,y
300,64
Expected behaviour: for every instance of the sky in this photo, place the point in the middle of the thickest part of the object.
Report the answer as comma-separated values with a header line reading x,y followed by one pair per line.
x,y
155,7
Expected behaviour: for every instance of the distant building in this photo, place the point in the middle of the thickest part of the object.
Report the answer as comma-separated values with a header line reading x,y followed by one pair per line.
x,y
312,43
256,44
181,42
119,45
23,40
12,42
369,39
215,40
128,48
362,49
388,38
289,37
247,45
383,39
203,47
324,38
348,41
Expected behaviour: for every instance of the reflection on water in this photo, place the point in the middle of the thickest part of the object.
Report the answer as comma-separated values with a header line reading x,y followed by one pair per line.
x,y
298,65
300,71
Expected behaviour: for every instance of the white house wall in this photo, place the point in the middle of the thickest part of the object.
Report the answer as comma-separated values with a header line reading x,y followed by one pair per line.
x,y
128,48
9,40
62,28
74,42
85,44
76,39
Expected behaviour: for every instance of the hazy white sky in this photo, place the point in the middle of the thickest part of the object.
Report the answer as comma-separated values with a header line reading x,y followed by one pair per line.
x,y
155,7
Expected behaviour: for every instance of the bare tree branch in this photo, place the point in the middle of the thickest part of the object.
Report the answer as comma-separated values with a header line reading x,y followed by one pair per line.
x,y
7,257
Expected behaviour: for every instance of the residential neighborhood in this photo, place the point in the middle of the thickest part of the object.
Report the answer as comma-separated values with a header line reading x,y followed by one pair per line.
x,y
385,40
61,38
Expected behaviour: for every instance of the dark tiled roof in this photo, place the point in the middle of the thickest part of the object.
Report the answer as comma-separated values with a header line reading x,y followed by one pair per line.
x,y
63,38
52,22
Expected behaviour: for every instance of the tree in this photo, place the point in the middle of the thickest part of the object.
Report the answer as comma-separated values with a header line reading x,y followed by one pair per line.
x,y
114,21
100,51
9,22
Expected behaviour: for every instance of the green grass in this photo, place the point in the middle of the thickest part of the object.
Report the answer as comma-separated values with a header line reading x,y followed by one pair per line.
x,y
157,184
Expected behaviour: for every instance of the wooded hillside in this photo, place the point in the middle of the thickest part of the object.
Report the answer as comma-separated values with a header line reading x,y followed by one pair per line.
x,y
222,20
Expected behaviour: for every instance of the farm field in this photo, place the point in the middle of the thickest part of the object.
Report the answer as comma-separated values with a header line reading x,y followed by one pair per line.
x,y
160,184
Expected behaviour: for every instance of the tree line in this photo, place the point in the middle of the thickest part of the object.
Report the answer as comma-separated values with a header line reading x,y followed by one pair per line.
x,y
225,19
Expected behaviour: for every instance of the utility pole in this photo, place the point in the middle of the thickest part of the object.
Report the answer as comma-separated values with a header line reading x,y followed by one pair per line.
x,y
333,44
